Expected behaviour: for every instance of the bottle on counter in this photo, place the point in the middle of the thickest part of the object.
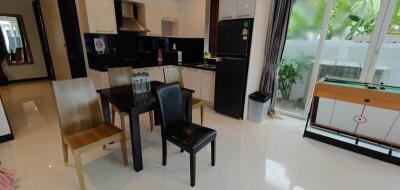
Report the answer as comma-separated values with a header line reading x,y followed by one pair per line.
x,y
159,57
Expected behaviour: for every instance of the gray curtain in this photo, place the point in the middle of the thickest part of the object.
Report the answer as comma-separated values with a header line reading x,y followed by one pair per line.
x,y
275,43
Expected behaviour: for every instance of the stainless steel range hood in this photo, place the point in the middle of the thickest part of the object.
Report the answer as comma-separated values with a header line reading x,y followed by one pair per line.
x,y
129,22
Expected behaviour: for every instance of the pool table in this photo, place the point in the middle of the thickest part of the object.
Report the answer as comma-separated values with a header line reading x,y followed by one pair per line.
x,y
358,110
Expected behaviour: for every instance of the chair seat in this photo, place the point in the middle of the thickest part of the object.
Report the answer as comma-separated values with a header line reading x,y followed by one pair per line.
x,y
189,136
197,103
89,136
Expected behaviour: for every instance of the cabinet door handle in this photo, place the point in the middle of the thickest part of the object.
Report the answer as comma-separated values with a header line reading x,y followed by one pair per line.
x,y
226,16
367,100
104,31
246,15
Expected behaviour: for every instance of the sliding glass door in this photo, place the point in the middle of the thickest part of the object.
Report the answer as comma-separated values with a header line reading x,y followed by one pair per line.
x,y
386,69
295,70
348,40
360,42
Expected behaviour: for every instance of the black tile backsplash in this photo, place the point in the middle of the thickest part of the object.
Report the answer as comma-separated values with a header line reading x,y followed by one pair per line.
x,y
192,48
141,51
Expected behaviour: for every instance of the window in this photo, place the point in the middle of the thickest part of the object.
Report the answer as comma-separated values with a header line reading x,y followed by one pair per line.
x,y
14,37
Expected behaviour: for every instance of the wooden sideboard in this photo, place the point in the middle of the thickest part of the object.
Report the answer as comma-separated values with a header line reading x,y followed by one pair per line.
x,y
357,112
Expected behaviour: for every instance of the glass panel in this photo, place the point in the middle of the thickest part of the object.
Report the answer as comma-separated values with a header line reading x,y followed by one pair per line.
x,y
387,68
350,29
294,75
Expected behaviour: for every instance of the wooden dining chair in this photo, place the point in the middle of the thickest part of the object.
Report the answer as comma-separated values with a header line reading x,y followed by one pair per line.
x,y
174,75
121,76
175,128
81,121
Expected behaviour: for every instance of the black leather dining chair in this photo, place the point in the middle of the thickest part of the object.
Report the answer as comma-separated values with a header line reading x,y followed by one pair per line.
x,y
175,128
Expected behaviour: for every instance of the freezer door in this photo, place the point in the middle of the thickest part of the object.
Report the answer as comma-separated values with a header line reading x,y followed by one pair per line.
x,y
234,38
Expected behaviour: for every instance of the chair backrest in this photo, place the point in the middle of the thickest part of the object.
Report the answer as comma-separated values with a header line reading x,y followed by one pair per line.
x,y
120,76
78,105
169,97
172,75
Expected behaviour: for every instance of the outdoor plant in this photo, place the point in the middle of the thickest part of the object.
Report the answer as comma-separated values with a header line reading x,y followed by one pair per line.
x,y
348,18
290,70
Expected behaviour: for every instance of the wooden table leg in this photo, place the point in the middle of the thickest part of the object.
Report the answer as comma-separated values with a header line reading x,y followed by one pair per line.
x,y
106,109
136,141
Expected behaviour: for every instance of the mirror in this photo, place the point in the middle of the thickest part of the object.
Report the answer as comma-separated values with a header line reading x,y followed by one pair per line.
x,y
15,41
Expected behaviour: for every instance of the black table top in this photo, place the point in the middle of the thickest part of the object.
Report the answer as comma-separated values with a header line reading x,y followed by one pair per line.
x,y
124,98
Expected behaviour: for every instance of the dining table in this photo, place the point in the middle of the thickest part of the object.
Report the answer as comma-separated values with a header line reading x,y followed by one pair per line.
x,y
125,99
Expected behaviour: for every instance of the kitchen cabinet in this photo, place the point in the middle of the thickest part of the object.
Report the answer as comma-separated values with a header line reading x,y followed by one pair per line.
x,y
235,9
149,14
201,81
245,8
101,16
156,74
192,12
170,10
100,79
192,80
207,87
227,9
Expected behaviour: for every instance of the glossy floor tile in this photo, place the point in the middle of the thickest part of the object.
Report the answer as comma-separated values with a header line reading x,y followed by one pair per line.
x,y
272,155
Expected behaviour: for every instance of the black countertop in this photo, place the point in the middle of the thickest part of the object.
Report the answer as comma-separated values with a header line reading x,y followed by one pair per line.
x,y
188,65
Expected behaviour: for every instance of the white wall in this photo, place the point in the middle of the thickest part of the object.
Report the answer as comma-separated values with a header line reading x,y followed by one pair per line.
x,y
257,50
38,69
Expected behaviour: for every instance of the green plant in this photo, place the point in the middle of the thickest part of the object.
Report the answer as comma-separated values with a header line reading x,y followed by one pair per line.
x,y
348,18
290,70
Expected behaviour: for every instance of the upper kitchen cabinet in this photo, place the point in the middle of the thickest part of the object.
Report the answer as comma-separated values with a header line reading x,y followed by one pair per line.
x,y
236,9
227,9
149,14
170,10
245,8
192,18
101,16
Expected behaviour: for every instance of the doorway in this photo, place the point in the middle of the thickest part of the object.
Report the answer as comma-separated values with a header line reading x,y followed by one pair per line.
x,y
72,35
43,39
352,40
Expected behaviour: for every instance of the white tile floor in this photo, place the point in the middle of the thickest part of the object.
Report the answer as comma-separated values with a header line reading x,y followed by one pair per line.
x,y
272,155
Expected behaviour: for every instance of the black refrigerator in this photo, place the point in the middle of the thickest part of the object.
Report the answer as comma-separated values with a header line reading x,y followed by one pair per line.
x,y
233,47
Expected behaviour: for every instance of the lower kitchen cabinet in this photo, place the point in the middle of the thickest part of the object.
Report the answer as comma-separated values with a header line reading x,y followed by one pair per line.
x,y
156,74
192,80
201,81
207,87
100,79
